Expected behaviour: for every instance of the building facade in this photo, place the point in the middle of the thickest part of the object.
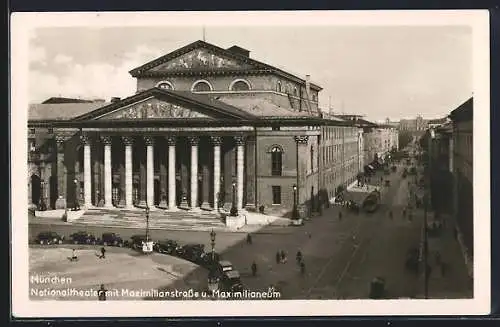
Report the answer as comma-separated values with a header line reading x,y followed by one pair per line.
x,y
462,166
207,128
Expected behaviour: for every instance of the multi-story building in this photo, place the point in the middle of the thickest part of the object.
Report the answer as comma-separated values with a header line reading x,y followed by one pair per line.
x,y
462,149
207,127
450,152
413,125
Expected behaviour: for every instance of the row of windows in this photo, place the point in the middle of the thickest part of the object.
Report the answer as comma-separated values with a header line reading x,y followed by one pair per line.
x,y
205,86
339,132
236,85
295,91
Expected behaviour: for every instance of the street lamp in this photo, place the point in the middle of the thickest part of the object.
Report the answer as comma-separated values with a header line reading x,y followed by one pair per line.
x,y
147,223
212,243
234,210
295,212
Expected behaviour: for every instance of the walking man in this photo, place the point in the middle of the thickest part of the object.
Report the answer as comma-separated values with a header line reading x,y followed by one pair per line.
x,y
254,269
249,239
103,253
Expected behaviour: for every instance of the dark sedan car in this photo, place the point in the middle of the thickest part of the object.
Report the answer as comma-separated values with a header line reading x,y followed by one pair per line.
x,y
83,237
192,252
167,247
137,241
112,239
49,238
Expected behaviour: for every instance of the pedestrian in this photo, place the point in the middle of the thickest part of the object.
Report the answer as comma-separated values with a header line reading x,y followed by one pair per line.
x,y
340,215
298,257
390,214
103,253
102,293
74,256
254,269
278,257
404,213
302,268
249,239
283,257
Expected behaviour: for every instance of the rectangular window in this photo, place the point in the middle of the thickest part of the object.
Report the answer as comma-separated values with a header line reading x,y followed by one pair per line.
x,y
50,130
276,194
32,131
276,128
276,163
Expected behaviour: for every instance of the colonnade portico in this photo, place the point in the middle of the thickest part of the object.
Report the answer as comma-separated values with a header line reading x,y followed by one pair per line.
x,y
169,147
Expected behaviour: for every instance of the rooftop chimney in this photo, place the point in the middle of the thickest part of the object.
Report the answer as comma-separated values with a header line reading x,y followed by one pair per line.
x,y
115,99
239,51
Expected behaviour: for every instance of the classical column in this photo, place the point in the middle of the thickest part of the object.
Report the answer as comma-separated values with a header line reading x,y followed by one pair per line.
x,y
172,198
194,140
61,172
97,172
128,141
87,173
108,176
150,197
250,164
142,178
163,176
240,163
216,141
301,162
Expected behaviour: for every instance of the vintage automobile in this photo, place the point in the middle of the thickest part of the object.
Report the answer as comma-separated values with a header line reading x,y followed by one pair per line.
x,y
223,267
82,237
231,281
166,246
192,252
137,241
49,238
372,202
112,239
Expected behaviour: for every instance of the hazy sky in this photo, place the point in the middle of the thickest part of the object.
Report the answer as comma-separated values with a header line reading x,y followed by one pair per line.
x,y
395,72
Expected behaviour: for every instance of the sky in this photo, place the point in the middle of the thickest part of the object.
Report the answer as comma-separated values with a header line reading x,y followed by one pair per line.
x,y
380,72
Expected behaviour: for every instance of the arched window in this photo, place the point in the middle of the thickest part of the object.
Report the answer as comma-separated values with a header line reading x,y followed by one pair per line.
x,y
278,87
201,86
166,85
276,160
239,85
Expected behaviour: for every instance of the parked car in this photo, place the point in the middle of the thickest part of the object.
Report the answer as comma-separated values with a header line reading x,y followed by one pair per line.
x,y
82,237
49,238
223,267
112,239
166,246
231,281
192,252
137,240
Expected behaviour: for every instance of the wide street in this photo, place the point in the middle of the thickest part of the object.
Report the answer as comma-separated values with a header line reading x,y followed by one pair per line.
x,y
341,256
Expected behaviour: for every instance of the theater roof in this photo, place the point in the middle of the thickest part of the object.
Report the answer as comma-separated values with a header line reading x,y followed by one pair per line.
x,y
217,61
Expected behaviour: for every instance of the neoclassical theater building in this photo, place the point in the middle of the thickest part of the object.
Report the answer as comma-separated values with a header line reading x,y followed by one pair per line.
x,y
207,127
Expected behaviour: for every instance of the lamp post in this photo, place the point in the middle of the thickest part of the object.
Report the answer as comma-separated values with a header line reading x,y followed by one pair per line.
x,y
147,223
212,243
295,212
234,210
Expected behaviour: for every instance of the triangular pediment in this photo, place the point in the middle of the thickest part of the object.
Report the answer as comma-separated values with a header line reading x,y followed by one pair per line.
x,y
197,56
201,59
153,108
160,104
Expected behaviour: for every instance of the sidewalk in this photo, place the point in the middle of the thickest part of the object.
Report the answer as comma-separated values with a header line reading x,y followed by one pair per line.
x,y
450,279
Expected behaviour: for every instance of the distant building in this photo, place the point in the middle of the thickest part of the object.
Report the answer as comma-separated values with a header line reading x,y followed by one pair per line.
x,y
413,125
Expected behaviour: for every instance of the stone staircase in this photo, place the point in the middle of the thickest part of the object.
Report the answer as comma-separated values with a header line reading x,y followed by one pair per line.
x,y
158,219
